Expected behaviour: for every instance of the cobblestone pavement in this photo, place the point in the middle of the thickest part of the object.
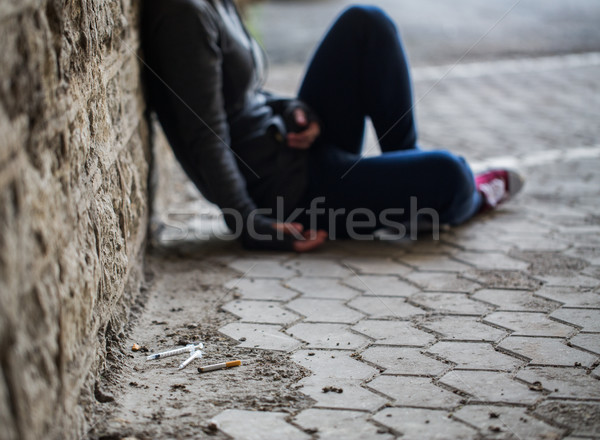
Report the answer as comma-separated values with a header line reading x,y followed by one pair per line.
x,y
493,331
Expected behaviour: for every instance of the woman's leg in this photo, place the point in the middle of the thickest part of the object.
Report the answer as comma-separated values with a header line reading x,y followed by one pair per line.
x,y
395,183
360,70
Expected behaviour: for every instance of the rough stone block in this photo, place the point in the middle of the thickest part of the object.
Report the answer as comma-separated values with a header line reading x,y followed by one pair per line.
x,y
393,333
547,351
417,423
330,336
529,324
263,312
378,285
257,425
263,336
474,356
332,425
490,386
319,310
404,361
414,391
463,328
321,288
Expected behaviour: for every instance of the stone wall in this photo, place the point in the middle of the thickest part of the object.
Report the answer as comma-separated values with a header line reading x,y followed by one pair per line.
x,y
74,155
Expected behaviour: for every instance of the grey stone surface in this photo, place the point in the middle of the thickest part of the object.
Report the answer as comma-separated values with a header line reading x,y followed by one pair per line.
x,y
322,288
491,260
474,356
385,307
404,361
328,336
332,425
257,425
489,386
433,263
571,297
567,383
377,285
587,319
263,312
324,310
414,391
263,336
376,266
515,300
450,303
261,289
502,422
441,282
547,351
463,329
333,365
352,397
587,341
74,167
393,332
417,423
529,324
261,268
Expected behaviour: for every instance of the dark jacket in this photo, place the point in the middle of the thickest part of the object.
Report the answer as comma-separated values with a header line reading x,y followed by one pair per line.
x,y
204,79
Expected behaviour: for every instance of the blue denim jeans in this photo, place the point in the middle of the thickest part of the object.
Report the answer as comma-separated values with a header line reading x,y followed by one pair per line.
x,y
360,70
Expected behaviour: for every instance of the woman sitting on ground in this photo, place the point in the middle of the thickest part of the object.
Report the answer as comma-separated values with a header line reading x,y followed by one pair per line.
x,y
288,172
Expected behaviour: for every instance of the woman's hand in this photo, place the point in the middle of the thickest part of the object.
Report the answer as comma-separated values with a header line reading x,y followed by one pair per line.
x,y
306,240
305,138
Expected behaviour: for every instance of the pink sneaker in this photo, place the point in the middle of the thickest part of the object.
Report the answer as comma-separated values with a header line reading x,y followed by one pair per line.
x,y
497,186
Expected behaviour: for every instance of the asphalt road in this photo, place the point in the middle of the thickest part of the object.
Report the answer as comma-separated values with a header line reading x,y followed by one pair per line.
x,y
438,31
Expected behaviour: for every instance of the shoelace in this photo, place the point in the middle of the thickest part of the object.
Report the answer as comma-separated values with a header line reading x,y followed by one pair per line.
x,y
494,191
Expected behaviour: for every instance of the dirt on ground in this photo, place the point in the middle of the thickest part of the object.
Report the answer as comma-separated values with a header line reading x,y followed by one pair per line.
x,y
154,399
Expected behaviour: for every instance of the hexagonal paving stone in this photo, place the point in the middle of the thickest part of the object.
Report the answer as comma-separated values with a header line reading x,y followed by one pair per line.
x,y
587,319
463,328
515,300
264,312
352,397
570,297
475,356
570,281
490,260
442,282
264,336
547,351
529,324
257,425
566,383
406,361
333,365
333,425
378,285
583,418
260,268
393,332
318,267
324,310
450,303
490,386
414,391
336,336
434,263
376,266
261,289
502,423
322,288
419,424
587,341
386,307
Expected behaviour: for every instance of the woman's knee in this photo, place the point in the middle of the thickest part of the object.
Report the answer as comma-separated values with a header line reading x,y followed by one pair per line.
x,y
453,172
372,17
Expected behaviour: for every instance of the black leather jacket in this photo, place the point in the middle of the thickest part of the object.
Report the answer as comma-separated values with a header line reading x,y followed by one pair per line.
x,y
204,78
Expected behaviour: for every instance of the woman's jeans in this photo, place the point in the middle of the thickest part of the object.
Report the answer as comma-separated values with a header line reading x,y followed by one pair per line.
x,y
358,71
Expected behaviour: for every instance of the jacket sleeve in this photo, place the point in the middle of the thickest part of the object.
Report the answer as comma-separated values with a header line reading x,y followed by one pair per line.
x,y
286,106
188,62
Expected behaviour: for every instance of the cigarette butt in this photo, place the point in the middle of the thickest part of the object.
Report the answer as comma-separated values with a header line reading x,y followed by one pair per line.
x,y
135,347
220,366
